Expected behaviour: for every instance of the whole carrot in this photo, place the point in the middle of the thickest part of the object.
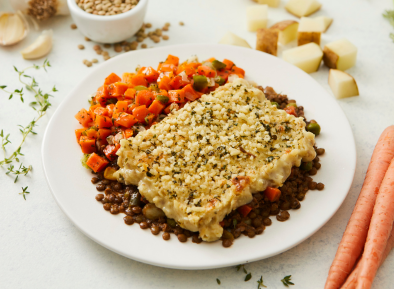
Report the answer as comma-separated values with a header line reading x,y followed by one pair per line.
x,y
379,231
353,239
352,279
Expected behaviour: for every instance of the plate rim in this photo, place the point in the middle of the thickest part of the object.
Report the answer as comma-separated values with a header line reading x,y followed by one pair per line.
x,y
169,265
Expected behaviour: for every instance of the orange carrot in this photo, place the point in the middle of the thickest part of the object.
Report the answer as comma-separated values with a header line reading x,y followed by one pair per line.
x,y
88,145
112,78
353,239
96,163
352,279
273,194
379,231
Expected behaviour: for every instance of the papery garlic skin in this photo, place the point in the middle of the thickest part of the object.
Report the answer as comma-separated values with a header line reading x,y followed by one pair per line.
x,y
13,28
41,9
40,47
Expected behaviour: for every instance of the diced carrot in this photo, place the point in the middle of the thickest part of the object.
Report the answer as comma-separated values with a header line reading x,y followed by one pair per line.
x,y
166,67
164,83
210,59
96,163
110,152
131,108
103,121
128,133
125,120
353,240
110,109
189,68
229,63
91,133
167,110
205,70
102,94
177,82
149,118
273,194
221,223
177,96
190,93
130,93
161,92
117,89
144,97
93,107
156,107
84,117
127,76
291,110
244,210
79,132
138,79
238,71
101,111
112,78
88,145
103,133
224,74
172,60
121,106
150,74
140,113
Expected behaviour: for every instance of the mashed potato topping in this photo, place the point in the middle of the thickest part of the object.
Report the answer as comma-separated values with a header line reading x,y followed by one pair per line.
x,y
208,158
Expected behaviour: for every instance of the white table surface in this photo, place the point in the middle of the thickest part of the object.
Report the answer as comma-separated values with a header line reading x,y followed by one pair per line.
x,y
40,247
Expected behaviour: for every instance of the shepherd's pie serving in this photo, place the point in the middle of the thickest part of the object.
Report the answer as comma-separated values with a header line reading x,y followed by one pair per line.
x,y
208,158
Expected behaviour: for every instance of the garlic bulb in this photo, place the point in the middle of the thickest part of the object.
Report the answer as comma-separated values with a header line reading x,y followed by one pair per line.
x,y
41,9
13,28
40,47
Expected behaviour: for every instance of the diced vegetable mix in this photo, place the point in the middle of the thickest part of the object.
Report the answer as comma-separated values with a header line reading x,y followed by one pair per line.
x,y
120,105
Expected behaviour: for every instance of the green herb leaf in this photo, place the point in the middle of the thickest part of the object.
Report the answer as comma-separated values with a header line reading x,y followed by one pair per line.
x,y
24,192
248,277
260,283
287,281
218,281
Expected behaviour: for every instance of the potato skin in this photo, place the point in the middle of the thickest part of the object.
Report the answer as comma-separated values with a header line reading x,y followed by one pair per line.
x,y
283,24
267,40
308,37
330,58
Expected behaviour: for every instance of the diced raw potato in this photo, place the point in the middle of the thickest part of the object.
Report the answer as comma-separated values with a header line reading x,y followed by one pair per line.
x,y
232,39
257,17
271,3
267,40
307,57
301,8
308,37
311,24
340,54
326,20
287,30
342,84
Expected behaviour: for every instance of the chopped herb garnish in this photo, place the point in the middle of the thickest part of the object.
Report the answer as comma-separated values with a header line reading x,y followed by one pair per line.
x,y
287,281
218,281
260,283
248,277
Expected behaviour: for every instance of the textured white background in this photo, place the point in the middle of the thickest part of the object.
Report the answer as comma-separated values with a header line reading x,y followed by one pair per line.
x,y
40,248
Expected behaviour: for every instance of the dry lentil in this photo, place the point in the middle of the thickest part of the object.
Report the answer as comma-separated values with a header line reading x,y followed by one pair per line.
x,y
73,26
94,60
87,39
181,23
143,45
80,46
165,37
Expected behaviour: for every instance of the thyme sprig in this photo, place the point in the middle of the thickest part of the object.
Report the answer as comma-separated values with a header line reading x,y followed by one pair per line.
x,y
389,15
40,105
24,192
287,281
260,283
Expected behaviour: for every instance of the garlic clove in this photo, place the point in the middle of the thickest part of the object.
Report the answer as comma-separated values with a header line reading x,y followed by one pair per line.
x,y
40,47
41,9
13,28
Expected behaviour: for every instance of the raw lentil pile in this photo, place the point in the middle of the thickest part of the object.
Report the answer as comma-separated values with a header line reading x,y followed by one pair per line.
x,y
106,7
156,35
118,198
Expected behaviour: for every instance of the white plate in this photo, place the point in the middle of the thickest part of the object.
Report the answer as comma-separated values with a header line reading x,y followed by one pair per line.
x,y
73,191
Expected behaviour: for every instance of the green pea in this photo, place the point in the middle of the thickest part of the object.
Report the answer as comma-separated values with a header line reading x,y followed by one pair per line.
x,y
218,64
313,128
140,87
275,103
200,82
171,222
220,80
292,104
162,98
135,200
306,166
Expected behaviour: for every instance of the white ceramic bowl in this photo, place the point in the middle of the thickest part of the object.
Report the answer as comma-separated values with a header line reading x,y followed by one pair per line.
x,y
109,29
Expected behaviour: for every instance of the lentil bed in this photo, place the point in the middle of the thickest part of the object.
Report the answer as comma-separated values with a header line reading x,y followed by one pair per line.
x,y
118,198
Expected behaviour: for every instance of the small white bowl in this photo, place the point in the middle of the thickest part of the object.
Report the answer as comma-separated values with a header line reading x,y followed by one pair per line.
x,y
109,29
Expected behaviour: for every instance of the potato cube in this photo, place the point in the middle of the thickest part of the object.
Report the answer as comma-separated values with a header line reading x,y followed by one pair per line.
x,y
256,16
311,24
301,8
271,3
232,39
267,40
342,84
326,22
308,37
287,31
307,57
340,54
